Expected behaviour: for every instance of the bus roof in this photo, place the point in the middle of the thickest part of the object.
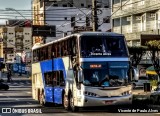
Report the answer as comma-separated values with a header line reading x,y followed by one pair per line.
x,y
100,33
79,34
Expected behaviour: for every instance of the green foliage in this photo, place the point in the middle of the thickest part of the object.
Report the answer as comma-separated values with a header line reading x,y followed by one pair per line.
x,y
155,44
137,49
136,53
154,82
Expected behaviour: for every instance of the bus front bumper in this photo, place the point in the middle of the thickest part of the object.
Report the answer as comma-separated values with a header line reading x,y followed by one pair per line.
x,y
87,101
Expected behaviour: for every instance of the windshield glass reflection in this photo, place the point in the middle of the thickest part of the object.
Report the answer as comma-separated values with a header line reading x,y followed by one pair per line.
x,y
100,77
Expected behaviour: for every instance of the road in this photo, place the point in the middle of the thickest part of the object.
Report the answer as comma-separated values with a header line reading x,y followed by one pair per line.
x,y
19,99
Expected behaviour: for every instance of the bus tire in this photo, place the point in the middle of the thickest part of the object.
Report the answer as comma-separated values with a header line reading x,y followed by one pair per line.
x,y
66,102
73,107
133,85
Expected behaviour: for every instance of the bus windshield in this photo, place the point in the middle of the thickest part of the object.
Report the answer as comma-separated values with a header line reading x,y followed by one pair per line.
x,y
99,46
100,77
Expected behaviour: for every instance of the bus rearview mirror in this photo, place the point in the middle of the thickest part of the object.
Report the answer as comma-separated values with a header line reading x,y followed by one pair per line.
x,y
80,77
136,74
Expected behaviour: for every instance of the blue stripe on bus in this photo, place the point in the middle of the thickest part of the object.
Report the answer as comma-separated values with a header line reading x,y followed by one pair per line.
x,y
53,94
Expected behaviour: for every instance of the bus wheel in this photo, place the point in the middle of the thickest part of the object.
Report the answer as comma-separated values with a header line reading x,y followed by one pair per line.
x,y
66,102
42,100
73,107
133,85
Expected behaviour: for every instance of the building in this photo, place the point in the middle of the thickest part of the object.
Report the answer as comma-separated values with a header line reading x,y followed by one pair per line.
x,y
138,20
69,16
15,41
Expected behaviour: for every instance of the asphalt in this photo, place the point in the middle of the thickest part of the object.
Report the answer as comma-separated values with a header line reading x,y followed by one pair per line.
x,y
15,77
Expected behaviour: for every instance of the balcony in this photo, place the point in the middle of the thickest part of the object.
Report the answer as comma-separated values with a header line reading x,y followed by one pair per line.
x,y
19,43
19,37
19,29
137,35
136,7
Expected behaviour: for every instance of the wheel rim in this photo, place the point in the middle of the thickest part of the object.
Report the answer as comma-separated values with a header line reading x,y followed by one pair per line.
x,y
65,102
71,102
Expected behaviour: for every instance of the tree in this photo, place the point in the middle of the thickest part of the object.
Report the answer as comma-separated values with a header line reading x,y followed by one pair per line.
x,y
154,48
136,53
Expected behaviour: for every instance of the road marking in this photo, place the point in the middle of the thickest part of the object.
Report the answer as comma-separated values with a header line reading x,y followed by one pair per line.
x,y
17,99
1,94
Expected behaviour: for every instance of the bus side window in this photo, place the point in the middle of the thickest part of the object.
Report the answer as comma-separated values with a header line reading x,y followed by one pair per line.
x,y
46,53
54,51
65,49
58,77
73,47
58,51
69,46
38,55
41,54
61,79
49,52
54,74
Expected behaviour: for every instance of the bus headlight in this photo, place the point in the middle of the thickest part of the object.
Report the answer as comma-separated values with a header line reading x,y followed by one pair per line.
x,y
90,94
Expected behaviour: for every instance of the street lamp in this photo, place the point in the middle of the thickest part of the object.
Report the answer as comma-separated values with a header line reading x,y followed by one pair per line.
x,y
12,9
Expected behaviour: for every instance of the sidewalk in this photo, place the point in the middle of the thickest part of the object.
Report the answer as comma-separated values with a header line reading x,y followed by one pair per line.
x,y
15,77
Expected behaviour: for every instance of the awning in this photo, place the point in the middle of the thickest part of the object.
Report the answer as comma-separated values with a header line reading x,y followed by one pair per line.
x,y
151,70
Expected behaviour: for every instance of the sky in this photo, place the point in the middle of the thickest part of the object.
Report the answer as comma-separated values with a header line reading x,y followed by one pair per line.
x,y
16,4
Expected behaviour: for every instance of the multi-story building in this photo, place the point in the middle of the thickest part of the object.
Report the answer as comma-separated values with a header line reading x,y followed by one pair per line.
x,y
15,41
138,20
69,16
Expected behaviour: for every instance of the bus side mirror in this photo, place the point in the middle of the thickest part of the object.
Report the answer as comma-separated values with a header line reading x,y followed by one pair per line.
x,y
135,74
80,76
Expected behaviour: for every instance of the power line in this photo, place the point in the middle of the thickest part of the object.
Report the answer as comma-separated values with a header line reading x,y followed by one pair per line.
x,y
115,12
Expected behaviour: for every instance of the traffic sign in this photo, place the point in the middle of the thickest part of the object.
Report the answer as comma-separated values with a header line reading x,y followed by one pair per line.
x,y
44,30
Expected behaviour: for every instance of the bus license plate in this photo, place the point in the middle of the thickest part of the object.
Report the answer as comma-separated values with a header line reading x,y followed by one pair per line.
x,y
108,102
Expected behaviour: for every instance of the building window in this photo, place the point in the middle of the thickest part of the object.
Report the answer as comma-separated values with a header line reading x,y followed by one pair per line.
x,y
27,48
106,20
64,5
27,40
10,40
106,6
89,6
82,5
71,5
11,33
55,5
65,18
26,33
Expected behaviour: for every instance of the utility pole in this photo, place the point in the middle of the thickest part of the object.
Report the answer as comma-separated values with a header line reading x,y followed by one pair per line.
x,y
94,15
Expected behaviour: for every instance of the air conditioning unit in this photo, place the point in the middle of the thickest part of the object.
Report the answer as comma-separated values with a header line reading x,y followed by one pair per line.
x,y
138,17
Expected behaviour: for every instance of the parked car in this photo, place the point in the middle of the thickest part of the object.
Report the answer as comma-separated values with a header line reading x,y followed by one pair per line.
x,y
140,82
4,86
155,96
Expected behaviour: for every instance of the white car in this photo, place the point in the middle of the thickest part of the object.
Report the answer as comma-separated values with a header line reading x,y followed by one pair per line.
x,y
140,82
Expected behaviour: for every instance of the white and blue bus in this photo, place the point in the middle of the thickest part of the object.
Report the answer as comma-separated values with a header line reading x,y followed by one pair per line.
x,y
82,70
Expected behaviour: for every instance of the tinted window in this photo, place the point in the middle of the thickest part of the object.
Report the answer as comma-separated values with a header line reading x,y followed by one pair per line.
x,y
98,46
143,78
